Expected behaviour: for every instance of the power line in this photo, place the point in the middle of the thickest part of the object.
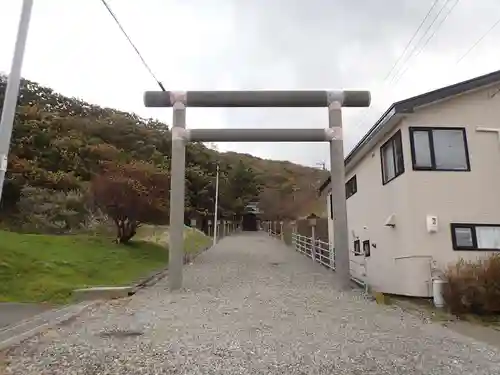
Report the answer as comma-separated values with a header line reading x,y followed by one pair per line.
x,y
132,44
412,38
450,10
417,45
395,80
474,45
434,4
471,48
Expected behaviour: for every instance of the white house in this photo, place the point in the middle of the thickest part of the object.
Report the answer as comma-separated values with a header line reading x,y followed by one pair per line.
x,y
423,187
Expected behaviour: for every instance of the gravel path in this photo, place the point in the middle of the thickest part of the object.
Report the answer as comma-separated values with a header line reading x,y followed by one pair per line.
x,y
251,306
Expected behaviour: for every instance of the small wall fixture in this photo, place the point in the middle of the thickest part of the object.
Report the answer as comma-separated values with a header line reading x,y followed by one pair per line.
x,y
312,219
391,221
432,223
489,130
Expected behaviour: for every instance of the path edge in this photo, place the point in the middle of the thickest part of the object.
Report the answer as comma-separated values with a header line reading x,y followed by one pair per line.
x,y
39,323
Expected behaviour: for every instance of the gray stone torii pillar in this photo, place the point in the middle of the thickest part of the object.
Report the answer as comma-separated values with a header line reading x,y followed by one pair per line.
x,y
333,100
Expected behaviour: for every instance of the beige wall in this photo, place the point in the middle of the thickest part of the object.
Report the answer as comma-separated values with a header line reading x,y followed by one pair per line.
x,y
467,197
368,210
401,261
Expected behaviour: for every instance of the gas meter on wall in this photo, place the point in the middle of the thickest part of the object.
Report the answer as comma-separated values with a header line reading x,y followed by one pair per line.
x,y
432,224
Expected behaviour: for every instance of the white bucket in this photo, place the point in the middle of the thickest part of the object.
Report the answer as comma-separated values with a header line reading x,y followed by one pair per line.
x,y
437,292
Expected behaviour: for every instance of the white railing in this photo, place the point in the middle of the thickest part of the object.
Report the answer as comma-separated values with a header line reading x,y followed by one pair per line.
x,y
317,250
274,234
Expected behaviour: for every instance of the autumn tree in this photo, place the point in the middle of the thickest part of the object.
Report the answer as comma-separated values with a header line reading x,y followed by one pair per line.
x,y
240,185
131,194
200,191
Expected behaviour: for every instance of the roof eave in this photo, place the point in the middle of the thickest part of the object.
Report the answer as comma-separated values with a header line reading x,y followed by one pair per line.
x,y
397,111
366,142
386,127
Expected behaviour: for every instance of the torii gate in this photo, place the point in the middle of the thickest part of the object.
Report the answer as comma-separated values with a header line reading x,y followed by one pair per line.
x,y
333,100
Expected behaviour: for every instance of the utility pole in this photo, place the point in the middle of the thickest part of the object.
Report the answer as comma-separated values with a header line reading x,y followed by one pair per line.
x,y
12,90
216,209
323,165
294,189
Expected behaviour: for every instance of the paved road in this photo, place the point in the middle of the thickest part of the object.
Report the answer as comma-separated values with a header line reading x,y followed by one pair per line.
x,y
11,313
251,306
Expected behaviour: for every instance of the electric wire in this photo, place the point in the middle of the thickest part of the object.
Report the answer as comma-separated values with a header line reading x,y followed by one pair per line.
x,y
104,2
479,40
412,38
394,81
450,10
417,45
408,44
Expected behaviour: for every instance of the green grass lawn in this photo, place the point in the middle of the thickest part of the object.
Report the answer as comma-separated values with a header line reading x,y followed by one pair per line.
x,y
43,268
194,239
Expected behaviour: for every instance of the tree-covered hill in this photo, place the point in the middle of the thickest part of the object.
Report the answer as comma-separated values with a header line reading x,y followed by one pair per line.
x,y
66,153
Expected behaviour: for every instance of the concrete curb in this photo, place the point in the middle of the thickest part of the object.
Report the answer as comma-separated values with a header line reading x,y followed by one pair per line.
x,y
150,280
15,334
101,293
107,292
189,258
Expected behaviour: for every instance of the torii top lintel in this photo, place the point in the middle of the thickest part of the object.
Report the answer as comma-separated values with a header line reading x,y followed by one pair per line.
x,y
292,98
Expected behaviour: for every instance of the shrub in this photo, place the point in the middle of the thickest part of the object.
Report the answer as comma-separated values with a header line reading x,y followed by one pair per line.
x,y
55,212
131,194
474,287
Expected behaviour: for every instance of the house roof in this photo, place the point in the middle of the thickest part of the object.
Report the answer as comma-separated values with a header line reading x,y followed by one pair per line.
x,y
409,105
253,208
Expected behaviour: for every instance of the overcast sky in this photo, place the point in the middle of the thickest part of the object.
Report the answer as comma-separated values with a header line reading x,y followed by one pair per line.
x,y
75,47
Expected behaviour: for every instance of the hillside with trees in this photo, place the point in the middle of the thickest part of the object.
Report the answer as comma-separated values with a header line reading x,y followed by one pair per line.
x,y
72,163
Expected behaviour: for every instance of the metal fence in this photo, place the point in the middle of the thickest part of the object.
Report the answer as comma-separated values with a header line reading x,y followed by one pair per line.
x,y
316,249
